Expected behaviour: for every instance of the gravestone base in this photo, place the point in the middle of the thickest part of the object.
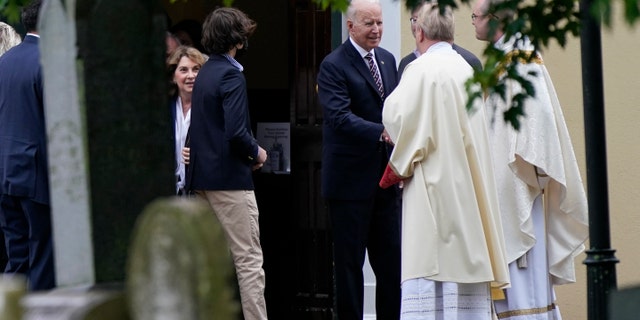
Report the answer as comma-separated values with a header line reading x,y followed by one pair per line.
x,y
101,302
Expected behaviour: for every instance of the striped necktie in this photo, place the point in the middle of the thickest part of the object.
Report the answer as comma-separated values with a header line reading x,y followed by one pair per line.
x,y
374,72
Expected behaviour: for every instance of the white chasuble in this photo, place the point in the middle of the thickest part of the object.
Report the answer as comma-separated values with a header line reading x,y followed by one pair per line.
x,y
542,142
451,228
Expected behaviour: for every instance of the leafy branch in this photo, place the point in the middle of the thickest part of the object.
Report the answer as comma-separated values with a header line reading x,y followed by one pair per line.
x,y
11,9
541,21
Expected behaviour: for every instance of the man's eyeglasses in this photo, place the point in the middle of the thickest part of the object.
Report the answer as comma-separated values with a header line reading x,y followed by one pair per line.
x,y
476,16
413,20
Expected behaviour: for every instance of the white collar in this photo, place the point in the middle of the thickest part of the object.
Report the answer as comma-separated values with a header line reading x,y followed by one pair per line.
x,y
441,46
362,51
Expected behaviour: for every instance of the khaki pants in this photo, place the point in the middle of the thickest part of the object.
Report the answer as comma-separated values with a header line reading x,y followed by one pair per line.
x,y
237,212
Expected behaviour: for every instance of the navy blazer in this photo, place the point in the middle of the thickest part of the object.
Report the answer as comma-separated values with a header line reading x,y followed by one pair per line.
x,y
223,149
352,110
23,143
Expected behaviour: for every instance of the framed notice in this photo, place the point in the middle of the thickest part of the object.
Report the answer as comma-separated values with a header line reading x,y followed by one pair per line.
x,y
275,137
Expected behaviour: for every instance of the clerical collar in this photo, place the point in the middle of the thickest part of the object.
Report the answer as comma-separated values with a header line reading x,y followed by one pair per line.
x,y
439,46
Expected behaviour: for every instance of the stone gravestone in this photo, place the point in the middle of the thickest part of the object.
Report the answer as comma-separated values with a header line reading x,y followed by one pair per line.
x,y
13,287
76,303
67,147
179,266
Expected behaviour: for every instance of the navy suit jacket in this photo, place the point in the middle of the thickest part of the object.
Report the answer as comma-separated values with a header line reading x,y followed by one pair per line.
x,y
352,110
223,149
23,142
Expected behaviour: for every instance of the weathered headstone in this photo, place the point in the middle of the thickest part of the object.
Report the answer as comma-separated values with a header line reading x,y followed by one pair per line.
x,y
179,266
67,147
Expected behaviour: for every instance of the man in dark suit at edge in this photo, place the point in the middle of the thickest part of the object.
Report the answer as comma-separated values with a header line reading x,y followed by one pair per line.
x,y
25,212
364,217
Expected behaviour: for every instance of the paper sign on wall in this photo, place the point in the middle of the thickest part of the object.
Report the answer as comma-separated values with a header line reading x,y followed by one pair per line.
x,y
275,138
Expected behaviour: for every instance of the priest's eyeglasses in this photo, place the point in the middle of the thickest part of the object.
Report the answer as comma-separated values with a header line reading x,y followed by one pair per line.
x,y
476,16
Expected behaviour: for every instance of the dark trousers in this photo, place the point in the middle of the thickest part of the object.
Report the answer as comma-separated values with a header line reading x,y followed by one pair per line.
x,y
27,234
371,225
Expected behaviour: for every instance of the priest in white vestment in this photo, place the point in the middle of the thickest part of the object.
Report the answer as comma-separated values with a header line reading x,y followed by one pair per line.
x,y
453,250
542,198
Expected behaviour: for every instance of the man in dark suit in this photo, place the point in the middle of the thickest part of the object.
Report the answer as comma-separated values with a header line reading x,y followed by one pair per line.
x,y
364,217
468,56
25,214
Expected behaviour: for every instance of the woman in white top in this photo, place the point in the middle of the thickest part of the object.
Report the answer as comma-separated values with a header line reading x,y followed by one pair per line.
x,y
183,66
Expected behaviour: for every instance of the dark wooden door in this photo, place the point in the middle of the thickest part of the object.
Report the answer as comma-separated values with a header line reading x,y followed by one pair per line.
x,y
294,222
312,41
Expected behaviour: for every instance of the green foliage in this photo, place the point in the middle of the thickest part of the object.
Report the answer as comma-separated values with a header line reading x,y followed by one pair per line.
x,y
336,5
557,14
11,9
631,11
542,21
